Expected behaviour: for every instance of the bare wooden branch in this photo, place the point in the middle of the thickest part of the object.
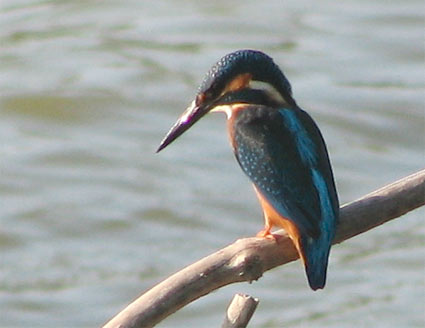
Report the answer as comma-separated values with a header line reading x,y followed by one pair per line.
x,y
248,258
240,311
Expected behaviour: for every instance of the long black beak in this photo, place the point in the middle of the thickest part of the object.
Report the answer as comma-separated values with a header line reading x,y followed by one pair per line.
x,y
190,116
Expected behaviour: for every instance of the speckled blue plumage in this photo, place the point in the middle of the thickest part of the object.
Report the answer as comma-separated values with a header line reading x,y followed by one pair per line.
x,y
284,155
257,63
278,146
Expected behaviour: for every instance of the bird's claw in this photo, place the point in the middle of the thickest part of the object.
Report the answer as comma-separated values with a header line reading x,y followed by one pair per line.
x,y
265,233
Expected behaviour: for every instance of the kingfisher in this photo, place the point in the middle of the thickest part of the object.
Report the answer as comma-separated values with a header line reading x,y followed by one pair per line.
x,y
278,146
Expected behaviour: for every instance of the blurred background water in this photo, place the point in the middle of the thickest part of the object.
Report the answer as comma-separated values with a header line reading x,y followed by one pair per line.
x,y
90,216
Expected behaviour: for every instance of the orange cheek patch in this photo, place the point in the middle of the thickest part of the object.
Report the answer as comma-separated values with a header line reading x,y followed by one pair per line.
x,y
239,82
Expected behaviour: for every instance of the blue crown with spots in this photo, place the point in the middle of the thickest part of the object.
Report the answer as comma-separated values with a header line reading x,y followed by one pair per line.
x,y
258,64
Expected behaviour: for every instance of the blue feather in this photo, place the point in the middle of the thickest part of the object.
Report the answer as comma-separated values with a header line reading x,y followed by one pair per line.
x,y
305,144
284,155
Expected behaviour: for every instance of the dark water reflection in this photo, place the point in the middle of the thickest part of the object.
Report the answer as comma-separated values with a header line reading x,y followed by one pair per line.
x,y
90,216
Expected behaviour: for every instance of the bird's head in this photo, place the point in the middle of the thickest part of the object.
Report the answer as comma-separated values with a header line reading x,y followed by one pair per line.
x,y
230,80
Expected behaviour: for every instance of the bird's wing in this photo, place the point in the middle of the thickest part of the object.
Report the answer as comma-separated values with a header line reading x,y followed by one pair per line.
x,y
284,155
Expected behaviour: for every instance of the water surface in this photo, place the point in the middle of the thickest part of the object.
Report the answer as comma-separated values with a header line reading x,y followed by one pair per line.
x,y
90,216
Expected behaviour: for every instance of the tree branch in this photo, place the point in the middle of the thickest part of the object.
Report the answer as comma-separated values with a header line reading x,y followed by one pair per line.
x,y
248,258
240,311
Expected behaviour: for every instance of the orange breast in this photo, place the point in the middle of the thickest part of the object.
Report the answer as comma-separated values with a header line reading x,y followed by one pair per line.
x,y
274,219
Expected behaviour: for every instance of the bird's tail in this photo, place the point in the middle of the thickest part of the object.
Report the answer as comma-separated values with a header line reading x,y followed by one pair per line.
x,y
315,256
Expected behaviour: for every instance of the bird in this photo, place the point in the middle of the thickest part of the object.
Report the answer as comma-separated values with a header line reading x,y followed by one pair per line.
x,y
278,146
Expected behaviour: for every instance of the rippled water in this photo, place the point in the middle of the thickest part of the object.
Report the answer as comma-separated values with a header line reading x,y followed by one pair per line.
x,y
90,216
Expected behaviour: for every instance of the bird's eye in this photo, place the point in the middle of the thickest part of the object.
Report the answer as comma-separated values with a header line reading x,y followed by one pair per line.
x,y
200,98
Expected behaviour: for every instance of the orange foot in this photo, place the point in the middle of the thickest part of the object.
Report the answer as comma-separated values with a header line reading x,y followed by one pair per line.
x,y
265,233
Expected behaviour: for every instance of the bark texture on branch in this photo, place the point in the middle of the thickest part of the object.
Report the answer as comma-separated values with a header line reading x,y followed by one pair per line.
x,y
240,311
248,258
